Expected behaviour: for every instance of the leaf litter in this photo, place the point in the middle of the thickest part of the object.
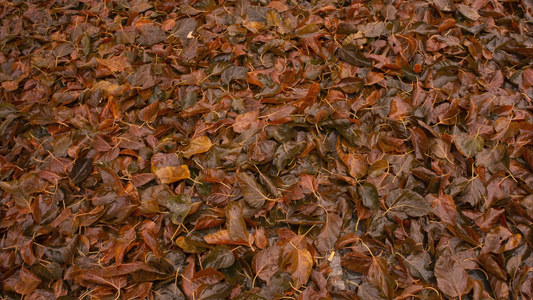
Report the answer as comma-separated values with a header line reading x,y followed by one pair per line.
x,y
266,149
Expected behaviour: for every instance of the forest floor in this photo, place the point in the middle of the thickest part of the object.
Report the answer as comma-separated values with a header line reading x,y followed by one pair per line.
x,y
257,149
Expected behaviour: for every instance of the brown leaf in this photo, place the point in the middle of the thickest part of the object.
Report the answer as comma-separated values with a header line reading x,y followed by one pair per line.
x,y
500,239
149,113
378,274
187,285
420,143
444,207
235,222
452,278
253,193
116,63
197,145
266,262
301,267
245,121
26,253
222,237
329,233
487,221
468,12
27,282
357,262
171,174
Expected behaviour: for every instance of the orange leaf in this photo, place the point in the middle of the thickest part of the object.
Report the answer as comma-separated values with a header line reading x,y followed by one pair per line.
x,y
301,267
172,174
197,145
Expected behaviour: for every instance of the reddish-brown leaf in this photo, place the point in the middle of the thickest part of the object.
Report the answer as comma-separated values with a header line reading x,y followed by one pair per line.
x,y
27,282
445,208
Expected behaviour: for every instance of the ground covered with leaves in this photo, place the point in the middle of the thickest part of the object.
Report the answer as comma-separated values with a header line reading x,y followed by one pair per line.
x,y
246,149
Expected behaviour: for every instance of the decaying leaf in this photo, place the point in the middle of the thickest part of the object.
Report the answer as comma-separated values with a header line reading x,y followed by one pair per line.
x,y
197,145
253,193
172,174
405,203
266,149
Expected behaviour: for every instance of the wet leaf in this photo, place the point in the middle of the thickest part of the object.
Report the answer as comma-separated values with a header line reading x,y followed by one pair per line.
x,y
27,282
378,274
468,146
81,170
301,267
220,257
452,278
329,233
357,262
234,73
197,145
444,207
265,262
235,222
171,174
419,265
403,203
179,206
369,195
468,12
266,149
253,193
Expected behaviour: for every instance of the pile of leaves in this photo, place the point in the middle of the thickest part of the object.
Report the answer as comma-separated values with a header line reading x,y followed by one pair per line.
x,y
258,149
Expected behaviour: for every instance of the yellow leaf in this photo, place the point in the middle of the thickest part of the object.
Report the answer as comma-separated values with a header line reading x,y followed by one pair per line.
x,y
198,145
172,174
